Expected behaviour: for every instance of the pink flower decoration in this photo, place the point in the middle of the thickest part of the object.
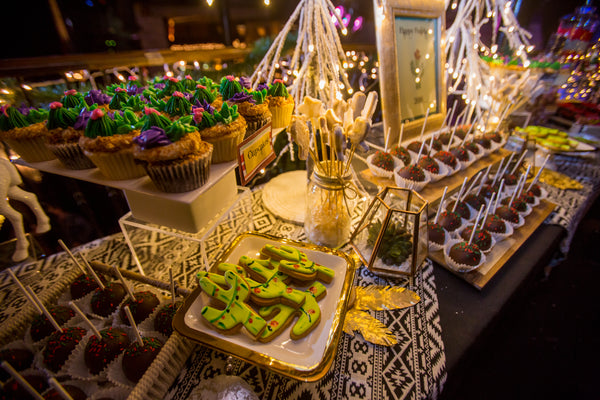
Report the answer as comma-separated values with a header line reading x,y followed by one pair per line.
x,y
230,77
198,114
148,111
4,108
200,86
70,92
97,113
120,89
55,104
177,94
133,78
277,81
189,77
173,79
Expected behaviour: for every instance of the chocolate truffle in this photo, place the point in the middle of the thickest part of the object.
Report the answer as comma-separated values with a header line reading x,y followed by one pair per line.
x,y
436,233
74,392
383,160
137,359
164,318
451,221
145,302
412,173
447,158
99,352
19,358
460,153
104,302
495,224
13,389
461,208
466,254
401,153
60,345
508,214
415,147
482,238
429,164
83,285
42,327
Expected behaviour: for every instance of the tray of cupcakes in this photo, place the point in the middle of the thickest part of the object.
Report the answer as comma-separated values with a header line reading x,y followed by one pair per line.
x,y
99,336
476,231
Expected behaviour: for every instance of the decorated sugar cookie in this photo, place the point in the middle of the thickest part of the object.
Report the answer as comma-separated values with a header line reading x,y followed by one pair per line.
x,y
296,264
236,311
309,315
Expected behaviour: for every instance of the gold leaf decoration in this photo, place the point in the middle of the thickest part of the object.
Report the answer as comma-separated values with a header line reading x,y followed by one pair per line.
x,y
376,297
369,327
558,180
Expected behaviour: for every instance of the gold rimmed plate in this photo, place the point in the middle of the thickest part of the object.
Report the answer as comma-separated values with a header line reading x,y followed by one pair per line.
x,y
306,359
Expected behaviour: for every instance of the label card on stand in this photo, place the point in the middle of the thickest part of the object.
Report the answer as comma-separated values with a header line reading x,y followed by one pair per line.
x,y
255,153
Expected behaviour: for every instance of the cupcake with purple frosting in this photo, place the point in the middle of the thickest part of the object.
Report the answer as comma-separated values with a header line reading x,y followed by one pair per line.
x,y
223,129
97,97
253,107
175,157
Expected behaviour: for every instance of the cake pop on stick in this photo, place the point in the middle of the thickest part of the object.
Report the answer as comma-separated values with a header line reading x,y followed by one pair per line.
x,y
430,144
498,197
59,388
125,285
25,292
484,179
514,193
92,272
451,138
172,285
93,328
537,176
475,224
437,214
507,164
487,209
66,249
44,309
467,134
138,337
460,192
519,161
524,176
460,198
420,152
22,381
498,172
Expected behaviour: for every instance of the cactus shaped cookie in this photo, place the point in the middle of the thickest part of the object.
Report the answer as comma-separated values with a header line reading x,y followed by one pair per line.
x,y
309,315
236,311
296,264
267,285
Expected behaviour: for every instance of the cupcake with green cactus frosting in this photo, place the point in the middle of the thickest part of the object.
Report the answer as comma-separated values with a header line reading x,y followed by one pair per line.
x,y
65,128
204,94
25,135
223,129
108,143
281,104
177,106
73,99
119,99
253,107
174,155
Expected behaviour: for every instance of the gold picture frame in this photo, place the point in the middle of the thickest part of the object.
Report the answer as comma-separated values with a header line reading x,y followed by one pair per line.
x,y
409,35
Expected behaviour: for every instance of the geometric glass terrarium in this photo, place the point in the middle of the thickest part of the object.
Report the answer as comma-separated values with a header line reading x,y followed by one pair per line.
x,y
391,239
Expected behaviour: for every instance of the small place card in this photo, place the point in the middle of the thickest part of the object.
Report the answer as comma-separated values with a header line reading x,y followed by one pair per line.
x,y
255,153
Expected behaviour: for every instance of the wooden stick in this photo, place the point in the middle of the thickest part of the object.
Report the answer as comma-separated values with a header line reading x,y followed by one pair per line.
x,y
488,209
66,249
92,272
172,285
59,388
138,337
125,285
440,205
85,318
44,309
25,292
22,381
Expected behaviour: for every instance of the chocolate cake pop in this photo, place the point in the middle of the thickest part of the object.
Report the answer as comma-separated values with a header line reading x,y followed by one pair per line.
x,y
429,164
445,138
460,153
474,200
436,233
535,190
137,358
450,220
412,173
416,146
472,147
105,302
481,238
510,179
41,327
495,224
494,136
100,351
508,214
401,153
461,208
83,285
484,142
436,144
141,307
529,198
19,358
465,253
384,160
447,158
60,345
75,393
164,318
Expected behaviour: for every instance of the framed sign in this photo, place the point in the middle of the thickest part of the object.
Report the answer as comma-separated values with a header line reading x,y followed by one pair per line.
x,y
255,153
410,64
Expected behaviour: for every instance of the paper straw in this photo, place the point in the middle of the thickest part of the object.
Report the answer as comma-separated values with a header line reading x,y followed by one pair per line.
x,y
538,173
507,164
386,139
468,133
448,119
498,197
420,152
430,144
459,194
440,205
59,388
22,381
25,292
424,124
85,318
518,163
44,309
125,285
475,225
92,272
172,285
514,193
524,179
498,172
484,179
66,249
401,134
451,138
470,186
138,337
487,210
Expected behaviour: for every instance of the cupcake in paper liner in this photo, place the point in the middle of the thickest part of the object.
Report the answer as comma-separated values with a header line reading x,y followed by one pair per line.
x,y
411,177
92,356
223,129
469,256
108,142
176,158
131,365
254,108
147,299
491,226
485,242
25,134
18,354
112,392
382,164
281,104
78,390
